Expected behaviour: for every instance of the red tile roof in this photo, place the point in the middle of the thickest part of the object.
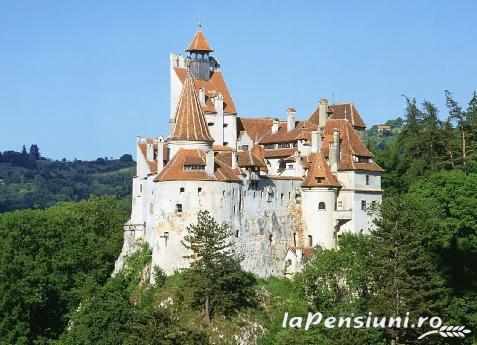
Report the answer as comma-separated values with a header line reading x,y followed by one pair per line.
x,y
342,111
213,86
174,170
276,153
319,173
199,43
190,121
152,164
302,131
221,148
255,128
350,146
245,159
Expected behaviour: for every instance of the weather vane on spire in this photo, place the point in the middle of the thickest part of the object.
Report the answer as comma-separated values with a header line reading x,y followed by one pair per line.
x,y
199,23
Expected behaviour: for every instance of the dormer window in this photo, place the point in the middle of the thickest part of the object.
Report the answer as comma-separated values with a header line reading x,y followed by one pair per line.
x,y
194,167
319,179
362,159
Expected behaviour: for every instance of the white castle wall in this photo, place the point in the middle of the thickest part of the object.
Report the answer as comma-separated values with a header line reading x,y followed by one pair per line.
x,y
262,218
318,223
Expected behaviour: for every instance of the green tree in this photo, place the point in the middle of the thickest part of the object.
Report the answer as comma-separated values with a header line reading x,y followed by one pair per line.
x,y
47,259
403,264
34,152
215,276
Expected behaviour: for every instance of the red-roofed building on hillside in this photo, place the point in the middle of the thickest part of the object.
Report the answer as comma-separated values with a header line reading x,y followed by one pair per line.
x,y
283,185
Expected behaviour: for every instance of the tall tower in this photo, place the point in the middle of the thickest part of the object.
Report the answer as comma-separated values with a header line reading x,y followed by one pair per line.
x,y
199,59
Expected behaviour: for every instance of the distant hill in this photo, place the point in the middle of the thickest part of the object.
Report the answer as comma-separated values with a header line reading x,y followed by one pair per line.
x,y
29,180
378,137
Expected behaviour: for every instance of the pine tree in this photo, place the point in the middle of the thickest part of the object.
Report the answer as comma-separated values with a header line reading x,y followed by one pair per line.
x,y
457,114
215,276
403,264
35,152
210,252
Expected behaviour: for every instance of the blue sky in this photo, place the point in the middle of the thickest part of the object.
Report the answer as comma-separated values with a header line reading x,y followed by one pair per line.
x,y
83,78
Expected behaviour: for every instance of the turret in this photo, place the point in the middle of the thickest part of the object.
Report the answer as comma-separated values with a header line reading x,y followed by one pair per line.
x,y
199,60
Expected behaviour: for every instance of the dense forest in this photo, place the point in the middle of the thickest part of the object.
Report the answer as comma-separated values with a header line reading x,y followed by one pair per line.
x,y
55,264
29,180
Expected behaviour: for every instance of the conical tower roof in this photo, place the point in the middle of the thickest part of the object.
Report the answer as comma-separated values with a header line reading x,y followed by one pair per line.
x,y
190,120
199,43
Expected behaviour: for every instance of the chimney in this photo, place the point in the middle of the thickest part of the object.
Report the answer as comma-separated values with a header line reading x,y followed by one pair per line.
x,y
150,151
202,96
291,114
315,141
219,119
334,154
172,124
234,159
297,159
209,162
275,126
160,153
322,112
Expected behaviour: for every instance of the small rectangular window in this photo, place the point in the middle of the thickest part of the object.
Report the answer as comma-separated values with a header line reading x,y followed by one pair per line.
x,y
363,205
245,147
367,180
179,208
290,166
199,190
182,190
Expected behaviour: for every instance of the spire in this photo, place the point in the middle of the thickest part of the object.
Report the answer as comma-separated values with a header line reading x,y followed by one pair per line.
x,y
199,43
190,120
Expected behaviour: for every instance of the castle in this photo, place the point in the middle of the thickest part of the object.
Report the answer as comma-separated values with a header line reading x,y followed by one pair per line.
x,y
283,186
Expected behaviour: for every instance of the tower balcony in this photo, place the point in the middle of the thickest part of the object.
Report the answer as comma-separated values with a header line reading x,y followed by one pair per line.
x,y
342,215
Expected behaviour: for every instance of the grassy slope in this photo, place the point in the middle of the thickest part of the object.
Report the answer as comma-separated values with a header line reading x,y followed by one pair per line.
x,y
276,297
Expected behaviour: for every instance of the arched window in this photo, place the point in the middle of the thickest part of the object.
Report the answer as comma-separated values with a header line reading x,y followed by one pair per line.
x,y
321,206
310,241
